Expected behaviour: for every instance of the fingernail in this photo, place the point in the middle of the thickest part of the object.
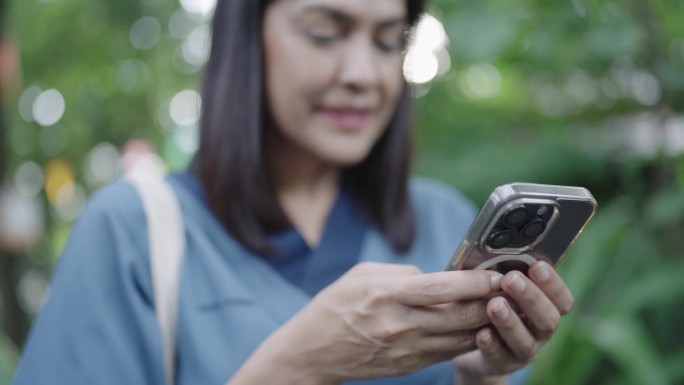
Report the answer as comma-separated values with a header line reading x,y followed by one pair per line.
x,y
516,283
501,311
542,272
486,338
496,281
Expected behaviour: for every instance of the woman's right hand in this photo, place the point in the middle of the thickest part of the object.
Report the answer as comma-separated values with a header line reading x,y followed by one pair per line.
x,y
379,320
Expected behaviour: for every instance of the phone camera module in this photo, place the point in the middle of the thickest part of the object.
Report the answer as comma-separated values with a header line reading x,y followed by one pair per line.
x,y
516,216
519,226
500,239
534,228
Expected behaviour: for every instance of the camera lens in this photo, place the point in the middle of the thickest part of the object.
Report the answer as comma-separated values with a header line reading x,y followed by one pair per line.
x,y
516,216
534,227
500,239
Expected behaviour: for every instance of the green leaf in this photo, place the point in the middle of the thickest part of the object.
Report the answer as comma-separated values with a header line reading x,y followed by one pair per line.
x,y
592,255
674,367
666,208
8,359
626,342
662,286
567,359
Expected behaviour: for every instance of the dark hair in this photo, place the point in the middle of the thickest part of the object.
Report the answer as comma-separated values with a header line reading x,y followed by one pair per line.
x,y
230,162
3,152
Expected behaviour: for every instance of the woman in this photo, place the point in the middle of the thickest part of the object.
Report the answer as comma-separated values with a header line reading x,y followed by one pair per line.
x,y
305,238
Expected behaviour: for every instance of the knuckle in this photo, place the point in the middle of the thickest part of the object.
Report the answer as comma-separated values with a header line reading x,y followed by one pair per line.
x,y
377,293
568,305
388,333
466,312
437,290
468,340
366,267
527,350
470,314
531,301
508,326
460,342
551,324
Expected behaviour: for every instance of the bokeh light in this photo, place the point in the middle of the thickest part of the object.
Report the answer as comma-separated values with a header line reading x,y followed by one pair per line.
x,y
185,108
33,290
102,165
202,8
58,174
48,107
69,202
481,81
426,54
180,24
22,222
645,88
26,102
28,179
581,88
132,76
186,139
420,66
196,46
430,35
145,33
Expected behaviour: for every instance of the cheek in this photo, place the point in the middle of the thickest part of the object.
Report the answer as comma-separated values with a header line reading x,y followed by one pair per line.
x,y
281,85
394,86
293,84
395,78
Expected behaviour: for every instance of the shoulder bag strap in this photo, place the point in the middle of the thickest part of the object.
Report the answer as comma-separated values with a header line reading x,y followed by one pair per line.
x,y
166,236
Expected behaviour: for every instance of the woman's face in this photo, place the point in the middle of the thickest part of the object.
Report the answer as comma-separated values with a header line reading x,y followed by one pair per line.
x,y
333,72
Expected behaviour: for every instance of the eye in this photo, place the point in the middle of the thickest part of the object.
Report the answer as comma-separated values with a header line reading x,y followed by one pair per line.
x,y
390,47
322,38
392,40
322,33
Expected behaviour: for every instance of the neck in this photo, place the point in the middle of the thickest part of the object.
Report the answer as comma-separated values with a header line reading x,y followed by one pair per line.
x,y
306,187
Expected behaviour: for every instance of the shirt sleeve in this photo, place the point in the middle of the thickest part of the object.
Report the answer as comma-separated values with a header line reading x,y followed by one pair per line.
x,y
97,325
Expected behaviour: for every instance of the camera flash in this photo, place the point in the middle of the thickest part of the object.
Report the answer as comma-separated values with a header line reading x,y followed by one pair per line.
x,y
542,210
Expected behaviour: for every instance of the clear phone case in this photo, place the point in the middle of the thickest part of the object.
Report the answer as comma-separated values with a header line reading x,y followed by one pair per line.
x,y
521,223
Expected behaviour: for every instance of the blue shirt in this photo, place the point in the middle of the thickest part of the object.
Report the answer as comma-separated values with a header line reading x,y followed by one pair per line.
x,y
98,324
312,269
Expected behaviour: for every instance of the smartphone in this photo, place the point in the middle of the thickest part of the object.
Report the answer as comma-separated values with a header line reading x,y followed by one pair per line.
x,y
522,223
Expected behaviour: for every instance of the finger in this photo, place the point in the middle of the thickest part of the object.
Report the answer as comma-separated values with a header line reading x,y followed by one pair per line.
x,y
450,317
511,329
544,276
372,268
541,314
412,363
453,343
498,357
445,286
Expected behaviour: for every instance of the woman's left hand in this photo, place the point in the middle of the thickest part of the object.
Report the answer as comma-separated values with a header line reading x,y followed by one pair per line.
x,y
542,298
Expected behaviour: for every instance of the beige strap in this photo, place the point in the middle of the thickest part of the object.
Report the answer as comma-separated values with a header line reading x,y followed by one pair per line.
x,y
166,235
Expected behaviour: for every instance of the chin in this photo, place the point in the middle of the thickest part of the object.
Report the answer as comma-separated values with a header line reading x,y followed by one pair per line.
x,y
343,158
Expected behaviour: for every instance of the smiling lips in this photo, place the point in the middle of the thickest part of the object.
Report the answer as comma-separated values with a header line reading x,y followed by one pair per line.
x,y
347,118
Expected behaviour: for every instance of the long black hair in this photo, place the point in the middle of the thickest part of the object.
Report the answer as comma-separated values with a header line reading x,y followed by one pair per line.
x,y
3,151
230,160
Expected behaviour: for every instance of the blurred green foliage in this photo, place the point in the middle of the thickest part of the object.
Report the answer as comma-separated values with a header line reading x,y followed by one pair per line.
x,y
569,111
575,92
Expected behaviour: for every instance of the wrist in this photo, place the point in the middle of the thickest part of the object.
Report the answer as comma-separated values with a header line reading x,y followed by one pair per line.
x,y
298,368
276,361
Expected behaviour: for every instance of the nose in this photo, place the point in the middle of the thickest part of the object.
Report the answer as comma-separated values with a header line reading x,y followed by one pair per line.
x,y
359,68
